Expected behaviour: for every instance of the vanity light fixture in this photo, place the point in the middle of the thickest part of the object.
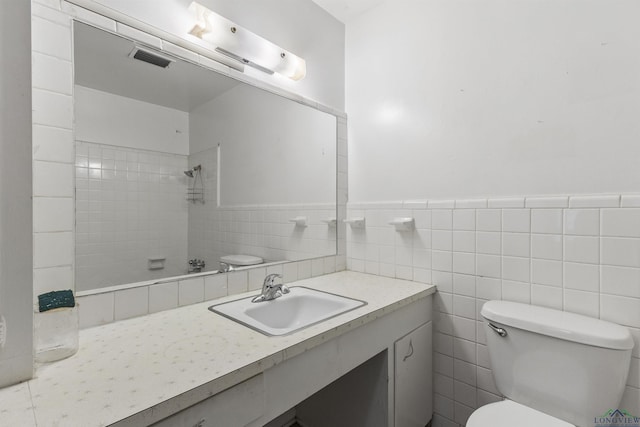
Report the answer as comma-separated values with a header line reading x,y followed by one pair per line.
x,y
243,45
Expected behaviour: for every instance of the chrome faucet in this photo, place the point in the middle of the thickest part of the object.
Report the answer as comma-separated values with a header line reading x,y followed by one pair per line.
x,y
196,265
270,290
225,268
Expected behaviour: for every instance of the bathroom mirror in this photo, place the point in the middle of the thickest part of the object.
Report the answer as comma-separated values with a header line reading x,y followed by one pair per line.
x,y
175,162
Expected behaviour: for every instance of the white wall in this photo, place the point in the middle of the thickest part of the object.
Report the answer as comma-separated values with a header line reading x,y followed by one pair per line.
x,y
16,249
140,125
268,144
463,103
287,23
460,99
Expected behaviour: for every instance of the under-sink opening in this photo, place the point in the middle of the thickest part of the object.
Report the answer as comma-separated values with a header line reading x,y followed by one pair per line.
x,y
357,399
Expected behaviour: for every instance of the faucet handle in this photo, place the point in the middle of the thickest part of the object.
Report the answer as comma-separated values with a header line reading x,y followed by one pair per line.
x,y
270,290
271,278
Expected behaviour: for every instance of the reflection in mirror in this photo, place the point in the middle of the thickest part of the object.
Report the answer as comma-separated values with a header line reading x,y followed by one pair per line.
x,y
180,166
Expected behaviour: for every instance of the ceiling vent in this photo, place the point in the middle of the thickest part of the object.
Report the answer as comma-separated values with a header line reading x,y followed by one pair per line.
x,y
150,57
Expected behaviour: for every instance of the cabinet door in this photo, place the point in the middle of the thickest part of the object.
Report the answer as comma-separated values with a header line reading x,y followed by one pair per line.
x,y
413,378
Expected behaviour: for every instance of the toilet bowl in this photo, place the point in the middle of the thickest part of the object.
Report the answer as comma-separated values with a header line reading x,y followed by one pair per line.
x,y
555,369
509,414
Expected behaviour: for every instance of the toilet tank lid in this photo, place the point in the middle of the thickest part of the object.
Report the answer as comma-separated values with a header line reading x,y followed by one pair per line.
x,y
558,324
241,259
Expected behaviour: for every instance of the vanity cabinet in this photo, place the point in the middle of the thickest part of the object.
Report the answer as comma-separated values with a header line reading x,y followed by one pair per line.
x,y
376,374
414,378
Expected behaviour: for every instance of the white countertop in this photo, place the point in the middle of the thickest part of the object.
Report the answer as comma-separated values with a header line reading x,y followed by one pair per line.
x,y
138,371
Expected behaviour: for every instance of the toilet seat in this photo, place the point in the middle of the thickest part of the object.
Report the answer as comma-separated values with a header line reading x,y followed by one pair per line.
x,y
509,413
241,260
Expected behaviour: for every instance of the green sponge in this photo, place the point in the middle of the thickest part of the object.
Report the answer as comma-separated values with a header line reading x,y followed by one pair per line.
x,y
56,299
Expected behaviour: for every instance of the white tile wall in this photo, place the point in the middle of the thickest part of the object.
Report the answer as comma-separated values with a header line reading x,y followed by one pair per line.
x,y
512,202
52,148
190,291
85,15
630,201
96,309
163,296
61,117
52,179
52,249
53,144
621,222
130,32
45,279
621,281
546,221
584,258
131,303
123,302
263,231
547,202
256,277
582,222
606,201
130,206
53,214
52,74
52,37
216,286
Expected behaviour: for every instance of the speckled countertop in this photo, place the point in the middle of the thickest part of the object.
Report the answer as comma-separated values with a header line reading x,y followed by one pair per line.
x,y
138,371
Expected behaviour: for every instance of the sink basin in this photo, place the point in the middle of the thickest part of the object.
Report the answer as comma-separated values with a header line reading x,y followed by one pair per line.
x,y
291,312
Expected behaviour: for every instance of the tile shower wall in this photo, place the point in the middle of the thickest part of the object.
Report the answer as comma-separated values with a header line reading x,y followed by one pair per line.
x,y
53,150
130,206
578,254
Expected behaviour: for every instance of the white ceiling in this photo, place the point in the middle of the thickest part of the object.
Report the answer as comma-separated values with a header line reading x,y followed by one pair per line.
x,y
102,62
345,10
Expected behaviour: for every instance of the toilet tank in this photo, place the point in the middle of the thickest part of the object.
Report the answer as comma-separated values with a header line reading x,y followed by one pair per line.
x,y
569,366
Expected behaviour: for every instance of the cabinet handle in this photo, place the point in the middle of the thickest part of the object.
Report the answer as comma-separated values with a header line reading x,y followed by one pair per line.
x,y
410,351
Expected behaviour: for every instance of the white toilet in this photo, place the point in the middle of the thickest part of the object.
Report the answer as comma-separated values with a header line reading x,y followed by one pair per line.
x,y
240,260
556,369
